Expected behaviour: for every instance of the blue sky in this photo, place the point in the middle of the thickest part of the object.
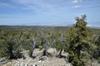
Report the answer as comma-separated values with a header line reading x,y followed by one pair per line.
x,y
48,12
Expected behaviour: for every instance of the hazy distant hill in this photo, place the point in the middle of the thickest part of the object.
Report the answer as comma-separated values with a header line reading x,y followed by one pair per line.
x,y
96,29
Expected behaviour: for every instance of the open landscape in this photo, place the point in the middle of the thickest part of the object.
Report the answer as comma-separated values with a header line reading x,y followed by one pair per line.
x,y
49,32
75,45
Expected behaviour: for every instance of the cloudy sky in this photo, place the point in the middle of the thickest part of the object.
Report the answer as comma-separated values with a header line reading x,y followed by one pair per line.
x,y
48,12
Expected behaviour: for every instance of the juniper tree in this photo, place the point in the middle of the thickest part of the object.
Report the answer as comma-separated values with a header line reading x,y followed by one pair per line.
x,y
80,46
96,53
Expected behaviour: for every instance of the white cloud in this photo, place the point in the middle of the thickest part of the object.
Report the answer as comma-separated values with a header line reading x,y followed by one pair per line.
x,y
23,2
3,5
41,5
93,25
77,6
76,1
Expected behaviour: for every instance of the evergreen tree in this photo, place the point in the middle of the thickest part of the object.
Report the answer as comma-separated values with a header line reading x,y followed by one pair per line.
x,y
80,45
96,53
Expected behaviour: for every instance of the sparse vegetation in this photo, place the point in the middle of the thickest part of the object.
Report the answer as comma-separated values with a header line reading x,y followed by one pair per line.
x,y
81,42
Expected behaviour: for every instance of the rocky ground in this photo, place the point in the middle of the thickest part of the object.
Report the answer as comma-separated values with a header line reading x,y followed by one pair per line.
x,y
41,60
30,62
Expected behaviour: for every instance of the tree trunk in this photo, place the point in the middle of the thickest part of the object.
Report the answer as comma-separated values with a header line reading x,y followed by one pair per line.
x,y
45,53
60,53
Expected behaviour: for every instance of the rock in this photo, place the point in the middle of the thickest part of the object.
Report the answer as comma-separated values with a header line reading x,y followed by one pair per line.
x,y
52,52
65,54
68,64
34,65
25,54
43,58
3,61
37,53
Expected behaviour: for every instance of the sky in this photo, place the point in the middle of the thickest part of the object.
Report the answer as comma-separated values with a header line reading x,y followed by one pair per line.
x,y
48,12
